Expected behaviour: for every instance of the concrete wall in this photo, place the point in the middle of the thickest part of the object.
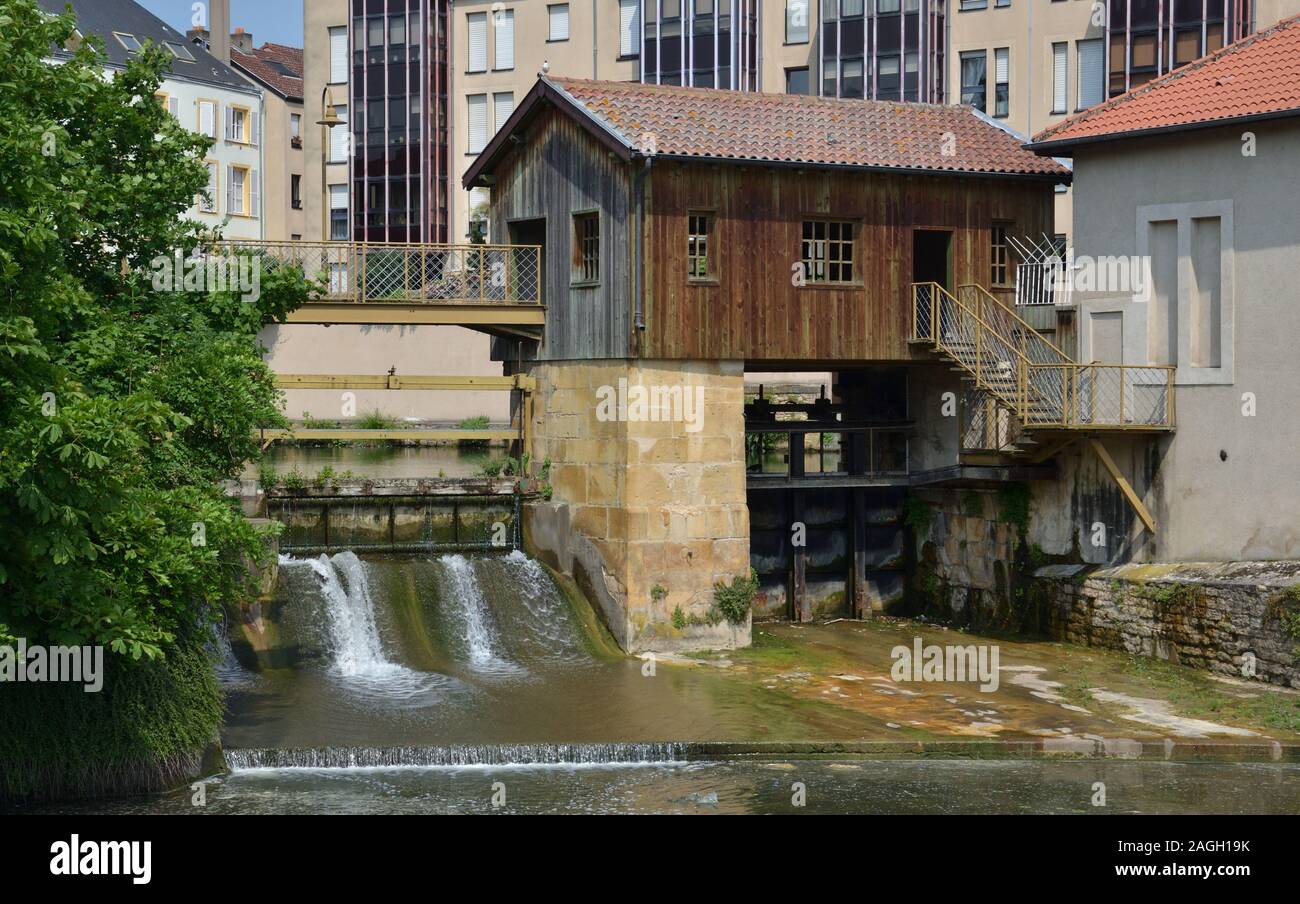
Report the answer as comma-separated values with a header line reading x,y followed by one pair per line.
x,y
283,161
1225,486
414,351
640,503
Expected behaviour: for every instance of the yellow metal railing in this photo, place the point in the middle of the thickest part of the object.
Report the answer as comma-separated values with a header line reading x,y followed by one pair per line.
x,y
1013,363
364,272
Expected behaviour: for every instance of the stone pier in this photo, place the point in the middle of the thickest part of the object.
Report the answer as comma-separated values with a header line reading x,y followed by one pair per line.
x,y
648,510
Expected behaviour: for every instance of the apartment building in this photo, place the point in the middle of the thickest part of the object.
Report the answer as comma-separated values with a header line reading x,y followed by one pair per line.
x,y
1025,64
277,69
206,95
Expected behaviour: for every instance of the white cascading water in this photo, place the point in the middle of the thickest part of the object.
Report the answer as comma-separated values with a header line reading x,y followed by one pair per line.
x,y
354,636
480,641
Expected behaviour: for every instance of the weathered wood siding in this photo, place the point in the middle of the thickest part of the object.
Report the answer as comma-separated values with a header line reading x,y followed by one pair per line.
x,y
755,313
557,172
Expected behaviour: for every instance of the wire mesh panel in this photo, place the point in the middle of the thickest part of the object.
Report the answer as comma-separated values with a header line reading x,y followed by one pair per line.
x,y
419,274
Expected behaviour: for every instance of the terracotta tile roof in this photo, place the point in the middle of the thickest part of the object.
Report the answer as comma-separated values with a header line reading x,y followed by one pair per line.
x,y
813,131
275,65
1259,75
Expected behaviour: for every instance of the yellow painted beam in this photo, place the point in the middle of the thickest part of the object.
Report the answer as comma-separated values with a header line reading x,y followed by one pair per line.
x,y
399,381
344,434
498,315
1124,485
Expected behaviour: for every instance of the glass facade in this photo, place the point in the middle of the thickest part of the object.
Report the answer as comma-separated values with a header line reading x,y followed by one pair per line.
x,y
882,49
700,43
1147,38
399,110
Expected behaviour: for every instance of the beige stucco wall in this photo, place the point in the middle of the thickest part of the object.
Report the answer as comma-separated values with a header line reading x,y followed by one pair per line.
x,y
283,161
640,503
415,351
319,16
1227,485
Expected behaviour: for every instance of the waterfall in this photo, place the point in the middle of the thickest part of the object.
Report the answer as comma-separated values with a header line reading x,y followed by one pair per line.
x,y
471,610
243,759
352,637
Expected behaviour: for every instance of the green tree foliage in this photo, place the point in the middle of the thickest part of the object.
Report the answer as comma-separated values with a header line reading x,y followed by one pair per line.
x,y
121,407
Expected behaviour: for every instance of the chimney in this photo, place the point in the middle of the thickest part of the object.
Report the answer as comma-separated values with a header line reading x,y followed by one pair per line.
x,y
197,36
219,28
242,41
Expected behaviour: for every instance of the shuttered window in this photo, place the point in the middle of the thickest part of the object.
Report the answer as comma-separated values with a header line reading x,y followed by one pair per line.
x,y
478,42
477,122
208,118
503,28
254,194
338,213
237,185
339,136
338,55
1092,73
1060,76
558,14
1001,81
503,104
629,28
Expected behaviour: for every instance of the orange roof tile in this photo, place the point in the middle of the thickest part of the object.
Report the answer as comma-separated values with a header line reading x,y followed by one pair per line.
x,y
1257,76
812,131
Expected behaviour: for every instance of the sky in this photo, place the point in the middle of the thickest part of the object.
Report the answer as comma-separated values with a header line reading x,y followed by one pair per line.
x,y
278,21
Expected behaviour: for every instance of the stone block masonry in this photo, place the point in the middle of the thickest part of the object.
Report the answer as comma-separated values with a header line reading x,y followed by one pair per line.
x,y
648,510
1230,618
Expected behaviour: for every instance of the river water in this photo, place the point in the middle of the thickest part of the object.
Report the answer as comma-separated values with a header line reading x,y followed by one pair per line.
x,y
454,684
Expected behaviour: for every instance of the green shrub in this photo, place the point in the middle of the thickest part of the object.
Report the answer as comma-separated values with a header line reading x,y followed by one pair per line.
x,y
733,601
480,422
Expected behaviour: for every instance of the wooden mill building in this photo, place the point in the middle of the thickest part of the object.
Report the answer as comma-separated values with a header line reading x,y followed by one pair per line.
x,y
691,235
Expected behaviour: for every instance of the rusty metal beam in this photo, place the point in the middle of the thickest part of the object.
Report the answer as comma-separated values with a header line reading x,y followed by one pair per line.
x,y
396,314
399,381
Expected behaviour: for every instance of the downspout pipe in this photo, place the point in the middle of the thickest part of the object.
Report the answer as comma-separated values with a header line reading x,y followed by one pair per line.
x,y
638,242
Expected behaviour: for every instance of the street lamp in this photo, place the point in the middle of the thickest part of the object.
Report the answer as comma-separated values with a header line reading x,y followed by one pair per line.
x,y
329,119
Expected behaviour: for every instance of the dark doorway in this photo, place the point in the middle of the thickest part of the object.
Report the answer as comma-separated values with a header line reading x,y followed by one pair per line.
x,y
932,257
529,274
931,263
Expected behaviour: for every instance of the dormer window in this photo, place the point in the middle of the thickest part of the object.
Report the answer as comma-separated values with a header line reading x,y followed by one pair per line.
x,y
130,42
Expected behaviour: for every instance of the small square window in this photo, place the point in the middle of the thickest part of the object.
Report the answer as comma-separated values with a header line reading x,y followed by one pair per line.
x,y
827,251
1000,253
130,42
180,51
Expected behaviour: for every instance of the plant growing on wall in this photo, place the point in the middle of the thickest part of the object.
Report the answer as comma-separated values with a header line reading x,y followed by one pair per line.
x,y
734,600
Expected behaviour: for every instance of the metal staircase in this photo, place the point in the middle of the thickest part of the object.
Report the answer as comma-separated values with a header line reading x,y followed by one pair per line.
x,y
1024,386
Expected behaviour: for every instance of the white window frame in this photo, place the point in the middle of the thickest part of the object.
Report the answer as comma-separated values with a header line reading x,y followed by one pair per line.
x,y
629,28
338,61
555,19
1060,77
503,40
339,136
476,42
475,103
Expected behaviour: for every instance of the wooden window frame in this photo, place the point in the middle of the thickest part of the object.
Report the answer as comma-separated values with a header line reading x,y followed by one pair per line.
x,y
1000,261
582,274
808,261
710,255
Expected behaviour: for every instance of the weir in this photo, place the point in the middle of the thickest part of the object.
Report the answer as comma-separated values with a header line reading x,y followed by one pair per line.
x,y
399,515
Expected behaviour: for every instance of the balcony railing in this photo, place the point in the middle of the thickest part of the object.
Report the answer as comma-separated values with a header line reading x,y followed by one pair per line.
x,y
363,272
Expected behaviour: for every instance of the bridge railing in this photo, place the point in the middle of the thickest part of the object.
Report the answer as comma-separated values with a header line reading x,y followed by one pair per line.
x,y
364,272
